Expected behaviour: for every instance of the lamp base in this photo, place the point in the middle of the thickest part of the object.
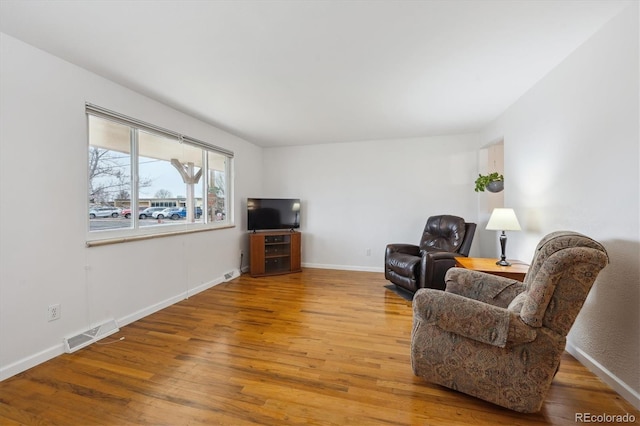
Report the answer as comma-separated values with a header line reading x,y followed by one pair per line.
x,y
503,246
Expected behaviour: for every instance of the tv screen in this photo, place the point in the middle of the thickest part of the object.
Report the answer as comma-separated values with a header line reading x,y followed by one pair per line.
x,y
273,213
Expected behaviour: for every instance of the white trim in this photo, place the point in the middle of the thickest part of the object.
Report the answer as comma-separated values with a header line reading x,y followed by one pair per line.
x,y
56,350
147,236
31,361
168,302
344,267
624,390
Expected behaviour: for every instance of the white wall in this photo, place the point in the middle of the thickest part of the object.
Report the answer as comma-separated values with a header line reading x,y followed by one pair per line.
x,y
43,173
364,195
491,159
572,162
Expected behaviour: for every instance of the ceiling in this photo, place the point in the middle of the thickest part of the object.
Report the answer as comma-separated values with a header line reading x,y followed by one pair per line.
x,y
303,72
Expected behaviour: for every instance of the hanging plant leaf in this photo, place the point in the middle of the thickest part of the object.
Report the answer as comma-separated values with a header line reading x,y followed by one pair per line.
x,y
483,182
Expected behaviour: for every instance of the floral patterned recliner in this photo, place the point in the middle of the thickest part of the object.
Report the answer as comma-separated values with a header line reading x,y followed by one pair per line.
x,y
499,339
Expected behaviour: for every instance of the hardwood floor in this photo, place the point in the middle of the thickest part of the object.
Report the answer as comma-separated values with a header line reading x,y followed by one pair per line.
x,y
318,347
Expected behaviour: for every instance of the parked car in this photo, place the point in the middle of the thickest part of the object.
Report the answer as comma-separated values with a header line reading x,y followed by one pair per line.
x,y
175,213
127,212
167,212
148,212
104,212
183,212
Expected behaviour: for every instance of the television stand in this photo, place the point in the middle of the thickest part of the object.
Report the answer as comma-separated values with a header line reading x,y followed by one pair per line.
x,y
274,253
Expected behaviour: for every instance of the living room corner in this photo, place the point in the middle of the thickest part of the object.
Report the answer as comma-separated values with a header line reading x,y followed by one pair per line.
x,y
568,147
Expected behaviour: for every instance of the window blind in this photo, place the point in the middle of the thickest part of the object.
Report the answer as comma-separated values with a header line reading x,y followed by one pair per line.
x,y
129,121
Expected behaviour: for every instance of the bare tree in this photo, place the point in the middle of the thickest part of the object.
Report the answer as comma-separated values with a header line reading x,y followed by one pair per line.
x,y
163,193
110,176
218,192
220,184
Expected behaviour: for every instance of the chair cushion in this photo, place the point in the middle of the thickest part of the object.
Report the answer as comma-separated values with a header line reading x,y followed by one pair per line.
x,y
443,232
553,243
403,264
517,303
561,256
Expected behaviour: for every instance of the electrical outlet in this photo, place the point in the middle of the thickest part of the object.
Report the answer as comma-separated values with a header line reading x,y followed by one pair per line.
x,y
53,312
368,252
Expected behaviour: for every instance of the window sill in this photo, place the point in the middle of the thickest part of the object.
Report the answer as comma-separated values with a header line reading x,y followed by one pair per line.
x,y
118,240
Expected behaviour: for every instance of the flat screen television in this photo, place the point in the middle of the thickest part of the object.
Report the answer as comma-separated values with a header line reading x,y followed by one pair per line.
x,y
273,213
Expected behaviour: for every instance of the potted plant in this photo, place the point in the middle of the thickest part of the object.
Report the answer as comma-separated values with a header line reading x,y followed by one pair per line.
x,y
493,182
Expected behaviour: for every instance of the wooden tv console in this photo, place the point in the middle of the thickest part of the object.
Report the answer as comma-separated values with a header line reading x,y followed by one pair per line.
x,y
274,253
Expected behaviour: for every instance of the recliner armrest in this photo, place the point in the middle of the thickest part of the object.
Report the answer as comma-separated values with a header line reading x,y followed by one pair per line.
x,y
403,248
487,288
470,318
441,255
434,265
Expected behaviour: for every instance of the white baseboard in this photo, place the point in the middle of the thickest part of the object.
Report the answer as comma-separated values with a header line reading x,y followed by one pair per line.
x,y
624,390
168,302
344,267
56,350
31,361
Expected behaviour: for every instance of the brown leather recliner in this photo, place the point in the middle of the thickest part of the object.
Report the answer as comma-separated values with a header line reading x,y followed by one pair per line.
x,y
414,267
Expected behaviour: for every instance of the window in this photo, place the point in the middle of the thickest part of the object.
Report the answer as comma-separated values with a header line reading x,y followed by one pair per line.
x,y
144,180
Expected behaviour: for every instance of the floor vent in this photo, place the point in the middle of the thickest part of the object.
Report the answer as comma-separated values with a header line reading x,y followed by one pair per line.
x,y
72,344
231,275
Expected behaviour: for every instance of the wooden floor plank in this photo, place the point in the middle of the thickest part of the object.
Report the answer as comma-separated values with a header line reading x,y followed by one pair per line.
x,y
319,347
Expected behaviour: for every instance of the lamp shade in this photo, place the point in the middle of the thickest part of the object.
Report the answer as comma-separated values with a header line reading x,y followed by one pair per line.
x,y
503,220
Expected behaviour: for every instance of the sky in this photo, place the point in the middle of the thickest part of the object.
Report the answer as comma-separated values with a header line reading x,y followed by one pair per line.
x,y
163,176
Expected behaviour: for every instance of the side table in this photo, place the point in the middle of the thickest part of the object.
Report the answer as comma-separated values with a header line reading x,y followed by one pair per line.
x,y
516,271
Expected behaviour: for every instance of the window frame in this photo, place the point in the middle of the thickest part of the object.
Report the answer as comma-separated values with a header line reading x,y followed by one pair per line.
x,y
136,232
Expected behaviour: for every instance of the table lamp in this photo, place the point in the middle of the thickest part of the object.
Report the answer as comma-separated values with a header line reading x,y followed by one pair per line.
x,y
503,220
